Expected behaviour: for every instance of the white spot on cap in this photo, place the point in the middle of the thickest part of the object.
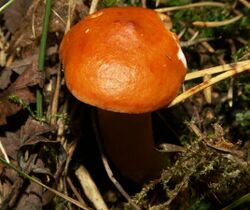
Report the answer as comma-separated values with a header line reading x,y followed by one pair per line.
x,y
181,56
87,31
96,14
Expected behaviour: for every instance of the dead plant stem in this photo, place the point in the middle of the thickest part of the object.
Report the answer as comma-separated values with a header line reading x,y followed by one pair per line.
x,y
234,69
35,180
191,6
54,106
216,70
245,3
217,23
76,193
90,189
2,149
93,6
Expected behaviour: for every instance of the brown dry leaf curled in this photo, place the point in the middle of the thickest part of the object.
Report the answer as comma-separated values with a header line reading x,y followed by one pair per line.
x,y
20,88
35,155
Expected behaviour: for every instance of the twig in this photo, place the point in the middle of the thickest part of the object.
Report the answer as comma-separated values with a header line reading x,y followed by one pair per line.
x,y
245,3
59,17
15,191
216,23
235,69
70,152
93,6
106,164
216,69
6,5
68,22
242,41
90,189
207,91
191,6
194,129
144,3
76,193
61,123
194,36
196,41
33,25
35,180
157,2
54,105
4,152
237,203
204,44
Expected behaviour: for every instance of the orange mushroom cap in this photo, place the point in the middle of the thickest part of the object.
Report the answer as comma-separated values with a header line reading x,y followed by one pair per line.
x,y
123,60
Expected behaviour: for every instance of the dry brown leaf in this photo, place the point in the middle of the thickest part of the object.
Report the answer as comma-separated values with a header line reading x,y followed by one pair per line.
x,y
5,78
15,13
11,144
19,66
19,88
31,198
34,128
31,28
9,108
30,151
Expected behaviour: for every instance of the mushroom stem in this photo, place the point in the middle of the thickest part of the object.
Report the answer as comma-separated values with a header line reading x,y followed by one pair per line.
x,y
128,142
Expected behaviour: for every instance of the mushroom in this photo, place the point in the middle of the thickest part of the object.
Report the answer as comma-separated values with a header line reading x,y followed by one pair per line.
x,y
126,63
